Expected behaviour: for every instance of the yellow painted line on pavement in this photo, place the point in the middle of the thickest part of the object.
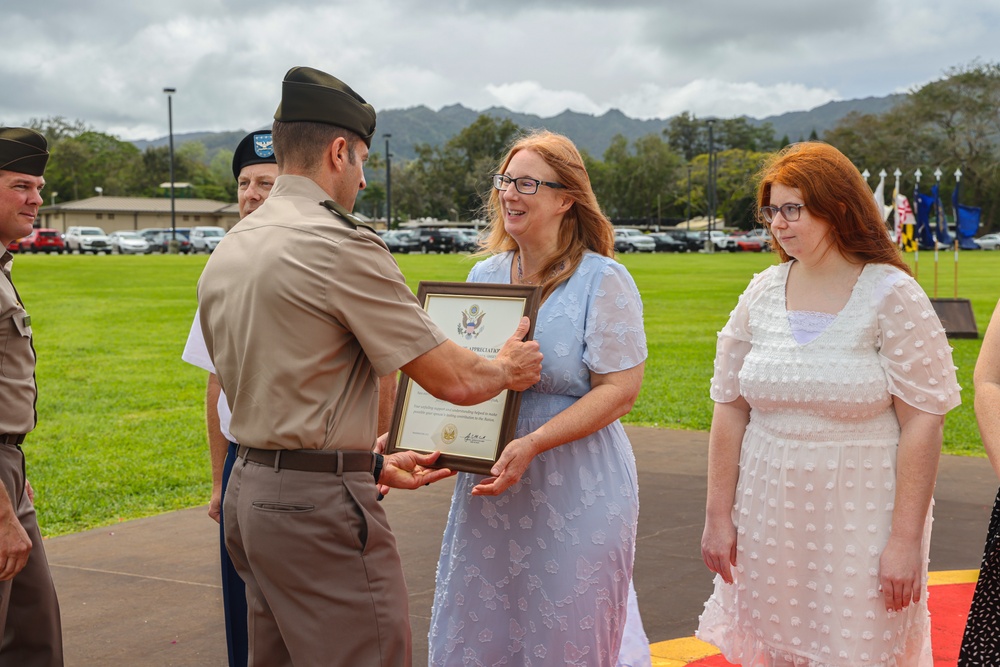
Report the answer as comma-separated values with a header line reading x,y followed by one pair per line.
x,y
682,652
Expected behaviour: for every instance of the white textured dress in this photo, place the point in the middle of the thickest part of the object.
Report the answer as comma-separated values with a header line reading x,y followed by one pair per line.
x,y
814,500
541,574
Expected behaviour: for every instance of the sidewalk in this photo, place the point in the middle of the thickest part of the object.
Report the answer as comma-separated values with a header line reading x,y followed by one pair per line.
x,y
146,592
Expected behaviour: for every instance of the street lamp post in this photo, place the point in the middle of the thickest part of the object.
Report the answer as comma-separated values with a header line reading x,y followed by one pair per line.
x,y
689,200
170,120
388,183
709,244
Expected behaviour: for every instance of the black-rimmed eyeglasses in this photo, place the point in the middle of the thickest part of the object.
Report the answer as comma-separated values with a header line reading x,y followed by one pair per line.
x,y
526,186
790,212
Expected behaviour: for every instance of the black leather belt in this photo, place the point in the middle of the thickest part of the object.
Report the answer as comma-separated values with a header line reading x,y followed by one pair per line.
x,y
11,439
335,461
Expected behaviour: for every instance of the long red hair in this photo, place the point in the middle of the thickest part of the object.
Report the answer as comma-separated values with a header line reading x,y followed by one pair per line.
x,y
833,190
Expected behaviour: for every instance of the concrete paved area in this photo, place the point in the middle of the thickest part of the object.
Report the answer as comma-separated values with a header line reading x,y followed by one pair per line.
x,y
147,593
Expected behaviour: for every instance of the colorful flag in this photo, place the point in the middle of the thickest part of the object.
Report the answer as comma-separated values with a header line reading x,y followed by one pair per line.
x,y
926,204
941,233
880,200
904,222
966,222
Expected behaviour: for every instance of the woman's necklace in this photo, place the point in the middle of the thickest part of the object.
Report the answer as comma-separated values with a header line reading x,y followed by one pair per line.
x,y
520,272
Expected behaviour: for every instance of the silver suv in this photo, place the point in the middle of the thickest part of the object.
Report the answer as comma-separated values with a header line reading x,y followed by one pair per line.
x,y
628,239
204,239
87,239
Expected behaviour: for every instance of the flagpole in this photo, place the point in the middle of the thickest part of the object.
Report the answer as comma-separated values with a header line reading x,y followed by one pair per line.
x,y
937,214
958,179
916,253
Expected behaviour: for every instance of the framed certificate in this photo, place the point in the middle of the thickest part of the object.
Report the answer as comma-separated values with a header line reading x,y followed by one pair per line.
x,y
479,317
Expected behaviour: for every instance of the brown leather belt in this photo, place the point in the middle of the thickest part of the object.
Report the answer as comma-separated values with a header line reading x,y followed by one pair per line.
x,y
11,439
335,461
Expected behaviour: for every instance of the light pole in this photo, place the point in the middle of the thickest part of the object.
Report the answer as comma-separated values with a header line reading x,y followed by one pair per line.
x,y
709,243
388,183
170,120
689,199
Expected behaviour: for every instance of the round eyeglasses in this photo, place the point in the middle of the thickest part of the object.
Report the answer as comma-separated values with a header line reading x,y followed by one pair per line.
x,y
790,212
526,186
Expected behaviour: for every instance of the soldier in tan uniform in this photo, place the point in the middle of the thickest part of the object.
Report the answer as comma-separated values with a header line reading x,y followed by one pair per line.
x,y
303,310
29,611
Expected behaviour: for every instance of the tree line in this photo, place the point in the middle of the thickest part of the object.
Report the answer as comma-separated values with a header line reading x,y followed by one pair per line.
x,y
84,163
660,178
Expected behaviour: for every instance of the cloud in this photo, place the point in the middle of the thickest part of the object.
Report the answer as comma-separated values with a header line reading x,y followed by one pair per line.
x,y
531,97
712,97
106,62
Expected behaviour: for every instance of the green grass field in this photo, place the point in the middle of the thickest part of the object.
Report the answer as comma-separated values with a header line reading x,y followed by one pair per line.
x,y
121,431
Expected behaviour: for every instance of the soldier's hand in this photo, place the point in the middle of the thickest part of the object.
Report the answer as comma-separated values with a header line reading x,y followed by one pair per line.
x,y
520,359
407,470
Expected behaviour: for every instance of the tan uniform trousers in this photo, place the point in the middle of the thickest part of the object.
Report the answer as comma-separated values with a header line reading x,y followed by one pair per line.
x,y
29,610
323,578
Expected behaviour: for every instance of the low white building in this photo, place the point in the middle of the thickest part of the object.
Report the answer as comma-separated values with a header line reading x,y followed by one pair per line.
x,y
114,214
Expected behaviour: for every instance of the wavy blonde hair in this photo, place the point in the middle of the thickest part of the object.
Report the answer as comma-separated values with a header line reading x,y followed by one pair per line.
x,y
584,226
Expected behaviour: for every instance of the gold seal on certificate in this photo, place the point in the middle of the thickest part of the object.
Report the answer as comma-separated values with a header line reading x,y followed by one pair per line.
x,y
479,317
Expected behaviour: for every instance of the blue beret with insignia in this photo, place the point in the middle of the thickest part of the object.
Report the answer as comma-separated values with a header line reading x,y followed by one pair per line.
x,y
256,148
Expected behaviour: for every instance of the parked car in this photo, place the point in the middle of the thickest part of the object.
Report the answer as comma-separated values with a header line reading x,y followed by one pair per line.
x,y
159,239
129,243
472,239
464,240
719,239
744,242
628,239
665,242
14,246
43,240
691,240
988,241
87,239
399,240
204,239
432,240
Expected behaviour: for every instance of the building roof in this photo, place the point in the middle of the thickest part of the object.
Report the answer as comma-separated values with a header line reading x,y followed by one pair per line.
x,y
141,205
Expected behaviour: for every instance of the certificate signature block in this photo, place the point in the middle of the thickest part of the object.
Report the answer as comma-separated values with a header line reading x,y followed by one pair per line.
x,y
479,317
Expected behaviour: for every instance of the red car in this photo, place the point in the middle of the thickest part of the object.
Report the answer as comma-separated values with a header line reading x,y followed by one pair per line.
x,y
43,240
746,242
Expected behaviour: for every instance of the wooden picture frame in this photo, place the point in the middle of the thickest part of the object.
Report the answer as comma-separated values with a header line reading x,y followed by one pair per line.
x,y
479,317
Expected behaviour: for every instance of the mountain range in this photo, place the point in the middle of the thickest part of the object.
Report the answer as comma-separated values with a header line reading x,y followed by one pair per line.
x,y
422,125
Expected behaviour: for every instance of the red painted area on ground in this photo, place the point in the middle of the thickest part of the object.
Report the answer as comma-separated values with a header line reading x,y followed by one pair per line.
x,y
949,605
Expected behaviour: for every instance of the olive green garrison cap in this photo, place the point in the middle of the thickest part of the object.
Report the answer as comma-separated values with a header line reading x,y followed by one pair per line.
x,y
308,94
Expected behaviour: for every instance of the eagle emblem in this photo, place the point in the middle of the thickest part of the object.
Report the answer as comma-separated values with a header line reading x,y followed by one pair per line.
x,y
263,145
472,322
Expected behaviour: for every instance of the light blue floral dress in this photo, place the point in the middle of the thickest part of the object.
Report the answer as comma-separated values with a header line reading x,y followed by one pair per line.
x,y
541,575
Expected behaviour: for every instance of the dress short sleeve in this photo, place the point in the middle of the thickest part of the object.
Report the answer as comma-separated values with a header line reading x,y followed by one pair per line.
x,y
734,344
614,337
195,350
913,347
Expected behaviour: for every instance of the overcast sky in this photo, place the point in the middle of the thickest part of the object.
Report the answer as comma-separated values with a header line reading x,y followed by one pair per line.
x,y
106,62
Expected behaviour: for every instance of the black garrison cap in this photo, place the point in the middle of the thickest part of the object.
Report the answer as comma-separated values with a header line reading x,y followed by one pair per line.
x,y
256,148
308,94
23,150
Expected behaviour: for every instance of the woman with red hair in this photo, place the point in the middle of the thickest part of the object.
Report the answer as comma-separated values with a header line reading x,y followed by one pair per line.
x,y
832,379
